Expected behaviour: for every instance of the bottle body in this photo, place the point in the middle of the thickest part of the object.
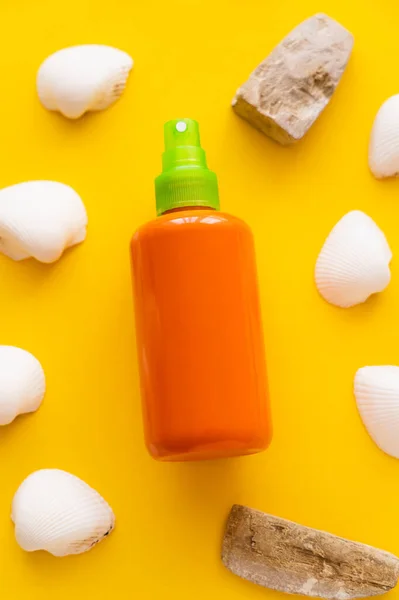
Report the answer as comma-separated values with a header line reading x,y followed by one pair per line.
x,y
199,337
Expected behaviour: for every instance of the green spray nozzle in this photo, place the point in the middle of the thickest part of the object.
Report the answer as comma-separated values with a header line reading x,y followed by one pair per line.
x,y
185,180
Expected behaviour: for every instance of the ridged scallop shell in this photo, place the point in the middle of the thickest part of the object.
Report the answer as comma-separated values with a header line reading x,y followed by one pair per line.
x,y
83,78
40,219
354,261
377,397
384,140
22,383
55,511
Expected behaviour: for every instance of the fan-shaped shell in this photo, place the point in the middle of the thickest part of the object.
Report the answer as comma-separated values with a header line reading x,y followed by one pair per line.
x,y
377,398
83,78
384,140
354,261
40,219
22,383
55,511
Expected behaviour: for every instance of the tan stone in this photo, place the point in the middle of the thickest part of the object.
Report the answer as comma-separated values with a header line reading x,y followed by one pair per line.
x,y
289,89
288,557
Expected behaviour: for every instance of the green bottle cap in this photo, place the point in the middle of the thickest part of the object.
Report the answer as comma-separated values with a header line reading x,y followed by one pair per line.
x,y
185,179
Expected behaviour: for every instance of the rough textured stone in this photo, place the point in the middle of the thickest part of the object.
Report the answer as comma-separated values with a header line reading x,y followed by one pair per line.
x,y
284,556
289,89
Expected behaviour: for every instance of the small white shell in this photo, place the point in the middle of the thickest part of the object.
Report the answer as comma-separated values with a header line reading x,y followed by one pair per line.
x,y
384,141
377,397
22,383
55,511
354,261
82,78
40,219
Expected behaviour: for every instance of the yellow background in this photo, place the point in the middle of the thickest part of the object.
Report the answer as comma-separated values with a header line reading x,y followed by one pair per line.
x,y
77,318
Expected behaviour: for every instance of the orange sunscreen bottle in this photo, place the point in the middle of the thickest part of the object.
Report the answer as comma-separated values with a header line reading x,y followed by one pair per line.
x,y
198,322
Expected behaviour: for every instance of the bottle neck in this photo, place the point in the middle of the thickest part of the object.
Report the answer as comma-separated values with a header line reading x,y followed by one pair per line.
x,y
184,208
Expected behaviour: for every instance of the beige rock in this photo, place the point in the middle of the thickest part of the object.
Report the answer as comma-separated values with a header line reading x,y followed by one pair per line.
x,y
289,89
284,556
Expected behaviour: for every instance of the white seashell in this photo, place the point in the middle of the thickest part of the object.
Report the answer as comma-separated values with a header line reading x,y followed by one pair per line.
x,y
55,511
384,141
354,261
83,78
377,397
22,383
40,219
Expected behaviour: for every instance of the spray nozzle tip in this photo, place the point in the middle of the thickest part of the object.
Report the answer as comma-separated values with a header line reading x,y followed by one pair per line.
x,y
181,126
181,132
